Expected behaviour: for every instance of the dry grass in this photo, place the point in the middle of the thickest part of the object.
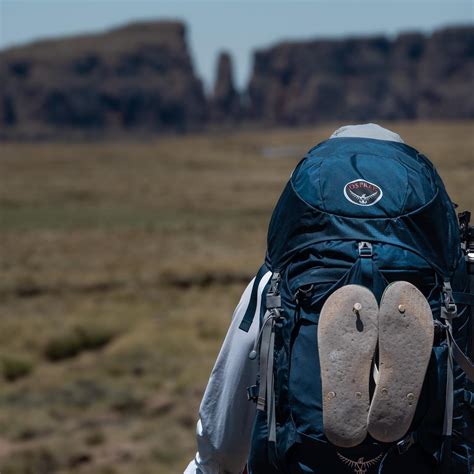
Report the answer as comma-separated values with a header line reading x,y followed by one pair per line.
x,y
145,247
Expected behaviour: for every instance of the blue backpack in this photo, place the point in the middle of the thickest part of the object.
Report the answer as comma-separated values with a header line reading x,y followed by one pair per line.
x,y
368,212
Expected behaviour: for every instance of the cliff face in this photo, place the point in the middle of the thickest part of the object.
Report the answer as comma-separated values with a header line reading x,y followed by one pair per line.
x,y
446,75
137,77
412,76
141,78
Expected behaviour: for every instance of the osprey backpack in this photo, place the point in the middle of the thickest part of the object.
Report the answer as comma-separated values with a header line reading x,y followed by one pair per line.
x,y
367,212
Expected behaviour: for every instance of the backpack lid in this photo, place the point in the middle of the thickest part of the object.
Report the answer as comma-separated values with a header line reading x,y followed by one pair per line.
x,y
370,190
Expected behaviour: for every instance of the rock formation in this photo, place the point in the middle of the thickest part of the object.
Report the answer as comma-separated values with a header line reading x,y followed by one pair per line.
x,y
132,78
140,78
360,79
225,100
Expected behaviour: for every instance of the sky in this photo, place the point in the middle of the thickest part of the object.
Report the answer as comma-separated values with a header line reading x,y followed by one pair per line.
x,y
237,26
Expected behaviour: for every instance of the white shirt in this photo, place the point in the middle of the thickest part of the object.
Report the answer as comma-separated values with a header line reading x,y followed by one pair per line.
x,y
226,416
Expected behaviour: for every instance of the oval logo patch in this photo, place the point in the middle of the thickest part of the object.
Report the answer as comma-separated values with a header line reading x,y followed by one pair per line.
x,y
362,193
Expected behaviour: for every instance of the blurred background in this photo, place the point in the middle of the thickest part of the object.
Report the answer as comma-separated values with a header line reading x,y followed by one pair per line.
x,y
142,148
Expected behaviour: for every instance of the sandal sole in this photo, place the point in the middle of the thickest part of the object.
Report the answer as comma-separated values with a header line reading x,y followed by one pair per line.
x,y
346,342
406,332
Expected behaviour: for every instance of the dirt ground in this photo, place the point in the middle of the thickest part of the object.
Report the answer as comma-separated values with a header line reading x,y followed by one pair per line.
x,y
120,265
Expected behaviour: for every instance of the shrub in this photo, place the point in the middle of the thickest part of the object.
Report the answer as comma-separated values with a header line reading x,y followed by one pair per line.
x,y
95,438
39,460
127,402
77,340
14,368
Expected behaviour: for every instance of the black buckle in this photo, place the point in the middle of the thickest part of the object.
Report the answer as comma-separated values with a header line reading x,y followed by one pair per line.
x,y
467,239
273,299
406,443
365,249
303,293
252,393
465,228
449,309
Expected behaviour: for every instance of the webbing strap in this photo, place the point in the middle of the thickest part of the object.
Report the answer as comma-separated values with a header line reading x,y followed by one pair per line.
x,y
266,392
400,448
463,298
462,359
265,343
448,409
252,307
366,264
271,413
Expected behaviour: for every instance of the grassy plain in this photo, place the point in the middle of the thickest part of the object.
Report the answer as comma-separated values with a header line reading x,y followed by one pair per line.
x,y
120,265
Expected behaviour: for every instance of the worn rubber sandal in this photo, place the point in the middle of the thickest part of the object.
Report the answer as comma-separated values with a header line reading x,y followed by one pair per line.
x,y
405,341
347,337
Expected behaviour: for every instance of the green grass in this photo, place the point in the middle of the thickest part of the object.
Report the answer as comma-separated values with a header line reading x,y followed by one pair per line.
x,y
120,267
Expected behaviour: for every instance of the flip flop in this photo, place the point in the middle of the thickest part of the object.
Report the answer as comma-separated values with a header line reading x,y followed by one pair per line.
x,y
405,341
347,337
